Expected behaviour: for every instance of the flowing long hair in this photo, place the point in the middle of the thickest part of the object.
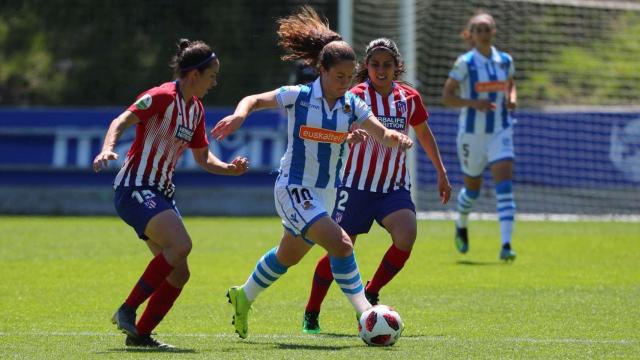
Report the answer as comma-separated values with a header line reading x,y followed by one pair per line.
x,y
305,36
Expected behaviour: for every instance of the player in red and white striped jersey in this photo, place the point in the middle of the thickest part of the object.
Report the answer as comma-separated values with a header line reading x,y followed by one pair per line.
x,y
169,119
376,182
377,168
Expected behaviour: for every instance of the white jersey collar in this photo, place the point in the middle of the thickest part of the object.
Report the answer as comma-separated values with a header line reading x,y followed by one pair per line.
x,y
495,56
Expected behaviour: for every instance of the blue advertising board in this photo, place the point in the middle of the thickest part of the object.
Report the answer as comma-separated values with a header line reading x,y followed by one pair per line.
x,y
580,149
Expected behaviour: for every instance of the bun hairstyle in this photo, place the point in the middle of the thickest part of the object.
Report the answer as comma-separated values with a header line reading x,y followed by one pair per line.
x,y
380,44
306,36
480,17
190,55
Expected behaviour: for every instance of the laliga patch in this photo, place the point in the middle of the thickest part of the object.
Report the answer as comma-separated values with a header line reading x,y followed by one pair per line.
x,y
184,133
144,102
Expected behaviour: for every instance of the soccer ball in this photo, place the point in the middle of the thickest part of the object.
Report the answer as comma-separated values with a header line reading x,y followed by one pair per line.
x,y
380,326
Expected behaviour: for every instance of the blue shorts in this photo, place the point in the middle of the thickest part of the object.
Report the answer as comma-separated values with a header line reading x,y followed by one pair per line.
x,y
356,209
137,205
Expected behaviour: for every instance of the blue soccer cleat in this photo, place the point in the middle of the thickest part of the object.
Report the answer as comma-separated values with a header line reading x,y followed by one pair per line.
x,y
462,240
506,253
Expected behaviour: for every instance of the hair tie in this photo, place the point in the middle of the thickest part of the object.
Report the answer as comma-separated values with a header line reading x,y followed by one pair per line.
x,y
211,57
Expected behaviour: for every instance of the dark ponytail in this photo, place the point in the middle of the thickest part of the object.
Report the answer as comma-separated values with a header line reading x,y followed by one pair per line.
x,y
191,55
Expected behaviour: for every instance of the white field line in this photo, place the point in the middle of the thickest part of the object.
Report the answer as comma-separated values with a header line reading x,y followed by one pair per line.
x,y
307,337
451,215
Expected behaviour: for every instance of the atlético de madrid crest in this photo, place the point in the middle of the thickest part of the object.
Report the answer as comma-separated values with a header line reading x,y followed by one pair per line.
x,y
401,107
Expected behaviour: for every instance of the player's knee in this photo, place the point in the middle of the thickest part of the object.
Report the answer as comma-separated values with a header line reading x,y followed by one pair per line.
x,y
183,248
343,247
185,275
405,239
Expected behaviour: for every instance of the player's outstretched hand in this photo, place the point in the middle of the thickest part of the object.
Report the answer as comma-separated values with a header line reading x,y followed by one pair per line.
x,y
101,161
404,142
444,188
357,136
484,105
238,166
226,126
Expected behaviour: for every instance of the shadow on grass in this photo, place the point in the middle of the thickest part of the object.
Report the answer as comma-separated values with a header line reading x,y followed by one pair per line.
x,y
336,335
147,350
297,346
478,263
285,346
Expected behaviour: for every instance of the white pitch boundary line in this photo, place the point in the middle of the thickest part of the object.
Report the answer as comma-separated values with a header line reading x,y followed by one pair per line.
x,y
307,337
451,215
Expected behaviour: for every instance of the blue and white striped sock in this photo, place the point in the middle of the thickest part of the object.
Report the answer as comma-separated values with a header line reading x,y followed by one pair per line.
x,y
506,208
267,271
466,199
346,273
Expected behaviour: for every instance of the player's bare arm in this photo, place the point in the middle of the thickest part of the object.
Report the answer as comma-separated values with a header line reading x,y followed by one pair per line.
x,y
512,94
245,107
430,146
212,164
116,129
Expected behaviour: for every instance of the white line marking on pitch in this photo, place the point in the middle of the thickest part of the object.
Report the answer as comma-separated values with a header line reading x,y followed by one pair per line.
x,y
306,337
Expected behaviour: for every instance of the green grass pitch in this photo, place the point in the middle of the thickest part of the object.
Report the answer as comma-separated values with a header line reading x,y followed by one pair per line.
x,y
573,292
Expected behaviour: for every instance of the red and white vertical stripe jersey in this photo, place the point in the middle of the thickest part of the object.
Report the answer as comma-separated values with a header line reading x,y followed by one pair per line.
x,y
167,127
372,166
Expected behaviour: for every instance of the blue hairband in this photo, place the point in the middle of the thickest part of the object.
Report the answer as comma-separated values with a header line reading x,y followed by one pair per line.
x,y
211,57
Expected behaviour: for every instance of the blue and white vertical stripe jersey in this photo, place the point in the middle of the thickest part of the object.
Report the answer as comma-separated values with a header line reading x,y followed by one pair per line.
x,y
316,134
484,78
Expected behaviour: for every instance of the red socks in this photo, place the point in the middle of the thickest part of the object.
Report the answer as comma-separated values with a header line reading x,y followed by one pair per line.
x,y
322,279
391,264
159,304
157,270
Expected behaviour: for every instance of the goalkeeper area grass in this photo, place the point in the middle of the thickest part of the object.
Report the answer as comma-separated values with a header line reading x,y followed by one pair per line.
x,y
572,292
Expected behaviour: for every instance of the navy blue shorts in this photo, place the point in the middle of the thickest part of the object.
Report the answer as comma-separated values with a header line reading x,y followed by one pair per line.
x,y
356,209
137,205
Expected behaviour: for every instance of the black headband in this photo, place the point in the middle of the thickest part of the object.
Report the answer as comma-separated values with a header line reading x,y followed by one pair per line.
x,y
211,57
378,47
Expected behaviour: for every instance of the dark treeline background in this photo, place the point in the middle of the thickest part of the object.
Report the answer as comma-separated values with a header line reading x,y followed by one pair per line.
x,y
88,53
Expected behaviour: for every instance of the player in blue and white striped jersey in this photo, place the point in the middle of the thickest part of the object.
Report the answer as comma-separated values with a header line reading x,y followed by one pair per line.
x,y
487,94
320,116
